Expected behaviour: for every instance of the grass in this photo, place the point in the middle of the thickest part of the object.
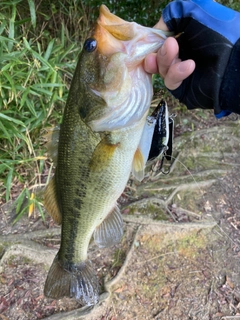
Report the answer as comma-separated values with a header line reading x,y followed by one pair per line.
x,y
39,44
36,70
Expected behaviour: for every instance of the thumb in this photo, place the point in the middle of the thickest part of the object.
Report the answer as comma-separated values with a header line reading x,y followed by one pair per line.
x,y
161,25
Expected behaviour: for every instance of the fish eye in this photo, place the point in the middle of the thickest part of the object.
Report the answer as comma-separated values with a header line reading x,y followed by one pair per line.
x,y
90,45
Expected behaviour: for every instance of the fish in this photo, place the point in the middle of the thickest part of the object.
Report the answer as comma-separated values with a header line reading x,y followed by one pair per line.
x,y
98,148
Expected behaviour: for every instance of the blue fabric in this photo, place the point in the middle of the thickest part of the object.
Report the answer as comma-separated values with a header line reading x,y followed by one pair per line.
x,y
192,19
213,15
223,113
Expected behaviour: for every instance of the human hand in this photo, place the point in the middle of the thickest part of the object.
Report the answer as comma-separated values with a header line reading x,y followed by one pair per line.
x,y
167,63
201,67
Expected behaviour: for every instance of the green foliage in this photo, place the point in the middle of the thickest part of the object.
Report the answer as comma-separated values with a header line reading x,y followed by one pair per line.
x,y
144,12
36,70
26,202
233,4
39,45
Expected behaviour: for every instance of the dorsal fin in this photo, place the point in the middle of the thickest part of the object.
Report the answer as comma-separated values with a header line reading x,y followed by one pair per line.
x,y
52,137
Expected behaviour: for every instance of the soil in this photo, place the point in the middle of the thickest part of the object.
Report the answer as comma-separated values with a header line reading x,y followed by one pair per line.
x,y
180,254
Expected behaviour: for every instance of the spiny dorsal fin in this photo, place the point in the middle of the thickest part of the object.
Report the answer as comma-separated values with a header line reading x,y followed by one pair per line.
x,y
50,202
110,231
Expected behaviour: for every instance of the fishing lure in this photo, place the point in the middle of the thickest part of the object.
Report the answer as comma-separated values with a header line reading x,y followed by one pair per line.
x,y
162,140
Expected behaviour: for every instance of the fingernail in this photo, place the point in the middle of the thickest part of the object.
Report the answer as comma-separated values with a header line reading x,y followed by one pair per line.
x,y
183,66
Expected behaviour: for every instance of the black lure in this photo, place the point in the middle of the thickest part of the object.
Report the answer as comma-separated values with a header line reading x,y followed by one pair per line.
x,y
162,141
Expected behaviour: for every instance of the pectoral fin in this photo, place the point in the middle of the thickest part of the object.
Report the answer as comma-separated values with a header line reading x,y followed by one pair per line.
x,y
103,155
50,202
141,154
110,231
138,165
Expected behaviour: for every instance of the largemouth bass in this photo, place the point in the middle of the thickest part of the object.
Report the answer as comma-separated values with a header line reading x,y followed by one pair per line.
x,y
99,141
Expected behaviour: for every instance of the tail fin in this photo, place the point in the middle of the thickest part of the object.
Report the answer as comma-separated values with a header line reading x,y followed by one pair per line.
x,y
79,282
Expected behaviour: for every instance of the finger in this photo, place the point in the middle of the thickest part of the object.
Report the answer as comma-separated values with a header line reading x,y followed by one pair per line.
x,y
177,72
150,63
166,55
161,25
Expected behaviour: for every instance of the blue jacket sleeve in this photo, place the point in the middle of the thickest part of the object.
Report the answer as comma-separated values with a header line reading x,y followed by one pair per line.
x,y
209,13
209,34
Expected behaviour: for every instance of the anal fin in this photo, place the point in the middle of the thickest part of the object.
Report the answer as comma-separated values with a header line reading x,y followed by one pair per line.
x,y
110,231
50,202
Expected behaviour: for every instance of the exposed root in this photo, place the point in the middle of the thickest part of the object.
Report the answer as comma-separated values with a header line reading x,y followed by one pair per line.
x,y
30,250
142,220
13,238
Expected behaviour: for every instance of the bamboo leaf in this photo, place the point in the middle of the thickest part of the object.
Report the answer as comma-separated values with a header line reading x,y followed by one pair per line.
x,y
9,183
32,13
49,50
2,38
3,116
6,134
24,97
2,27
19,200
39,206
24,210
11,32
31,205
10,80
37,55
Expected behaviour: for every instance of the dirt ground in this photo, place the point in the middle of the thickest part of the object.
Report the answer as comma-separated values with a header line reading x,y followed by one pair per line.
x,y
180,254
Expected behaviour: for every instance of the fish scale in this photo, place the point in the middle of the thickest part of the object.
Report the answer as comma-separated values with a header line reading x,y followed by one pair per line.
x,y
96,199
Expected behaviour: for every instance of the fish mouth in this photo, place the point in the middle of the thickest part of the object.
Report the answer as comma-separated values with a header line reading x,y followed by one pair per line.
x,y
126,88
114,34
116,26
109,32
